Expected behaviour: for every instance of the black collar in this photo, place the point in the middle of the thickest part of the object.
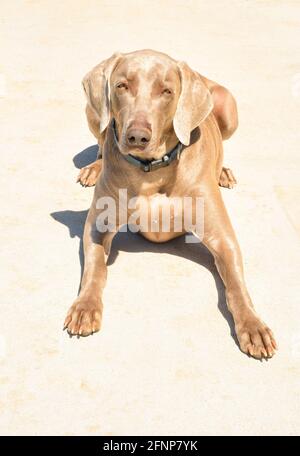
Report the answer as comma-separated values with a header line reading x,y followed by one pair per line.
x,y
151,165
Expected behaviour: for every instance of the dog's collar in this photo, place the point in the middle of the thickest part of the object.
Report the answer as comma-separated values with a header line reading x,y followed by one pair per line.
x,y
151,165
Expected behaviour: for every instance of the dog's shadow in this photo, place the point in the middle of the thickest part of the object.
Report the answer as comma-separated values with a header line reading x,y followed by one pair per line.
x,y
130,242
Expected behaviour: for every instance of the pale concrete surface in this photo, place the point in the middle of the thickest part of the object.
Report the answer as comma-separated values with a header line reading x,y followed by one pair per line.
x,y
164,362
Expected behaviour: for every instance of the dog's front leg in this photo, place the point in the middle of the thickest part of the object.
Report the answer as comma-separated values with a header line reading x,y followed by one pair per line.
x,y
84,316
253,334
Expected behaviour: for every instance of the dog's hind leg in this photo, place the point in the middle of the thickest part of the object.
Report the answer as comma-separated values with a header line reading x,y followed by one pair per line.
x,y
227,178
88,175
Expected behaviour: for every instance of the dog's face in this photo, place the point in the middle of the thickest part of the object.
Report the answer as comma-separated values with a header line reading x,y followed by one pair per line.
x,y
150,96
144,95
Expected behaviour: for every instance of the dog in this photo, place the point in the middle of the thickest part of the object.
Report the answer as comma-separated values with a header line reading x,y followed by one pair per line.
x,y
160,126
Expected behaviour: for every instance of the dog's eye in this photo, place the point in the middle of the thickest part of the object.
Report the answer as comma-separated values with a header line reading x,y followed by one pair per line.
x,y
167,92
122,85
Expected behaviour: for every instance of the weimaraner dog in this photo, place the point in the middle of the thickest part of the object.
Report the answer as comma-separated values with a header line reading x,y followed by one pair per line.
x,y
159,127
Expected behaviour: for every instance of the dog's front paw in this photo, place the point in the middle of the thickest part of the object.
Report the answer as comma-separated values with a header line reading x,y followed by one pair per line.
x,y
89,174
255,338
84,317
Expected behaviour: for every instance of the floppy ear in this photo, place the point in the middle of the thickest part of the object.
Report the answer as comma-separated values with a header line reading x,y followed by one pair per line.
x,y
194,104
97,90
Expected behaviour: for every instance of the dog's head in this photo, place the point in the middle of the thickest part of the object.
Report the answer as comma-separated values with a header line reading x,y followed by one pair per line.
x,y
150,96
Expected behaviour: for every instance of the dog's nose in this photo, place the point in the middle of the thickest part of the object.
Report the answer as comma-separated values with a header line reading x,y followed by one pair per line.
x,y
139,137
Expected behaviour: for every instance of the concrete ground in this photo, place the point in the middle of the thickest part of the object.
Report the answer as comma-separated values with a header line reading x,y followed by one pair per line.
x,y
165,362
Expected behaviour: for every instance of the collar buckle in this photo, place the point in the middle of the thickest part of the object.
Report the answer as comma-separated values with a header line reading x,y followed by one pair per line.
x,y
155,164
